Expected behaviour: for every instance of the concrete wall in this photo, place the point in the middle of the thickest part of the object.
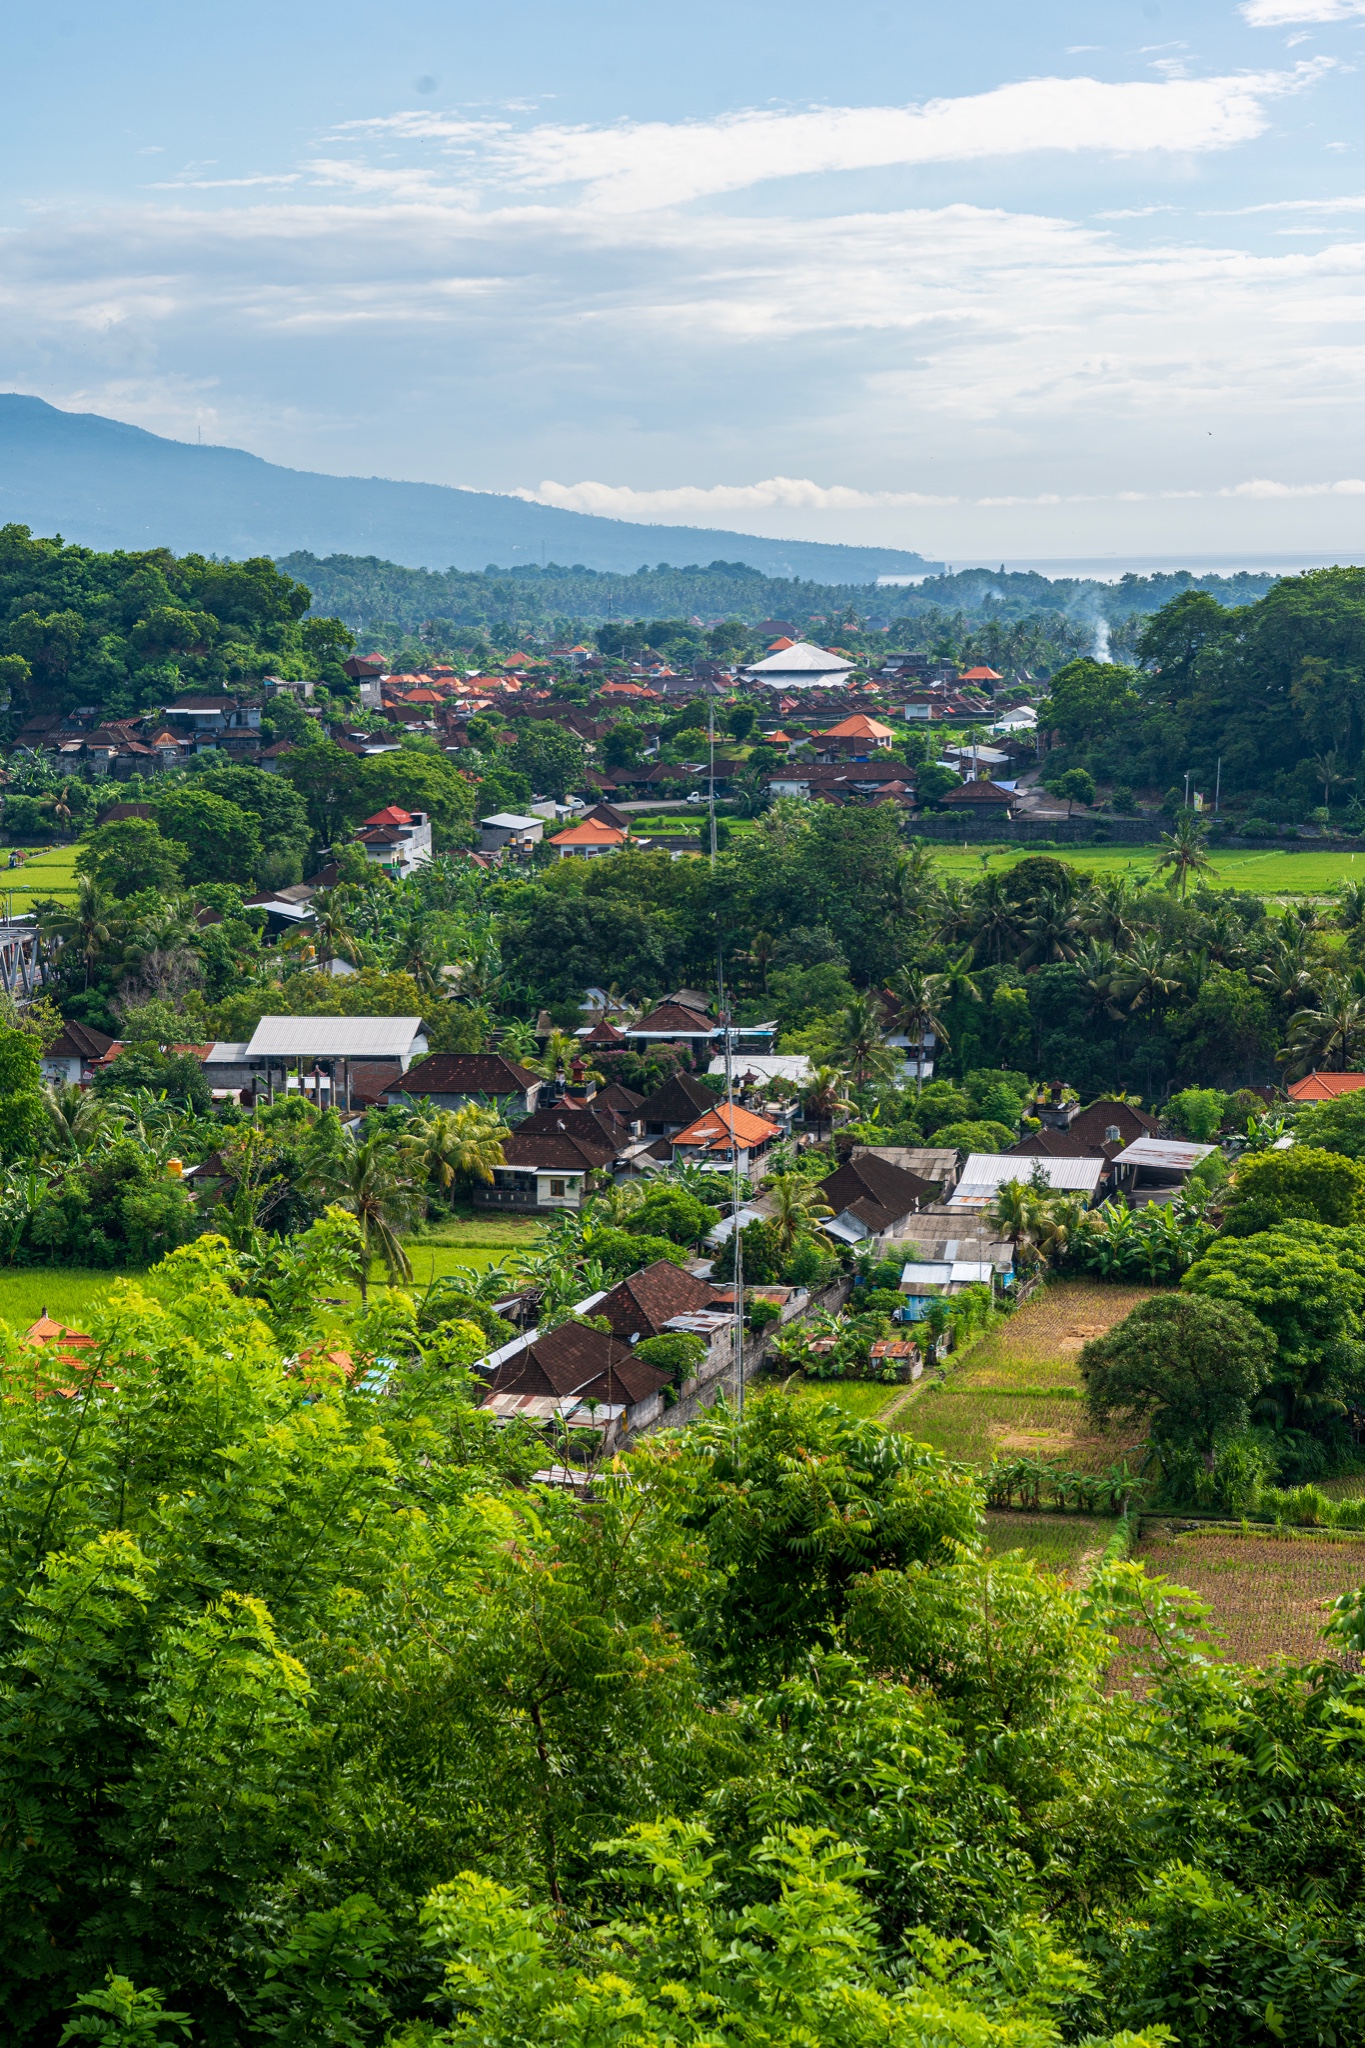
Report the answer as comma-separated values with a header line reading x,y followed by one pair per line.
x,y
700,1394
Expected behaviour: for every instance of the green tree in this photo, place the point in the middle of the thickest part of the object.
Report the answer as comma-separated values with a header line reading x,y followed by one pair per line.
x,y
131,855
1306,1283
23,1112
1089,700
1301,1184
1189,1367
454,1147
1335,1126
551,757
795,1509
224,841
1198,1113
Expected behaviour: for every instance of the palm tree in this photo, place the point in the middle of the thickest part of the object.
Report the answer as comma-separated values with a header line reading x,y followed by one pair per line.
x,y
518,1040
995,919
85,923
452,1146
372,1180
1184,854
823,1095
76,1118
761,949
1331,1035
794,1204
1328,770
918,997
861,1041
1053,929
332,933
1350,905
1101,979
1109,910
1146,976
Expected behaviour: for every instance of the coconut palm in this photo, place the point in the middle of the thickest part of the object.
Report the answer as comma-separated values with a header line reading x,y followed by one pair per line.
x,y
1330,772
1184,853
995,920
76,1119
1147,977
794,1205
83,924
1101,970
1110,910
918,998
1052,929
823,1096
518,1040
455,1146
374,1181
1350,897
1331,1035
860,1041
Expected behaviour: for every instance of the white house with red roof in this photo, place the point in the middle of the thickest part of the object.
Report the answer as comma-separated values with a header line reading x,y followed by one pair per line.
x,y
397,840
588,840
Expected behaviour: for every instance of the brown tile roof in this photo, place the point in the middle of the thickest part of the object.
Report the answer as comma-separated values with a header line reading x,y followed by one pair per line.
x,y
677,1101
552,1152
1095,1120
676,1022
79,1041
578,1362
465,1073
988,793
602,1130
877,1191
640,1305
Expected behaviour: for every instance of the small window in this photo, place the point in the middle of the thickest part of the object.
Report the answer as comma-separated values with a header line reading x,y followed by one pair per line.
x,y
1112,1134
558,1189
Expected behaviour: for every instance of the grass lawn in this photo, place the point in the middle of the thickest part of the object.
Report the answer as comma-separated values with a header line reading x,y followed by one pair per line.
x,y
1017,1393
1066,1544
1269,1593
1311,871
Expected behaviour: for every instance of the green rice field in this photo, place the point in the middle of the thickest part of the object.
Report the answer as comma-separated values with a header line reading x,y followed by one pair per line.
x,y
1274,872
1065,1544
51,872
69,1293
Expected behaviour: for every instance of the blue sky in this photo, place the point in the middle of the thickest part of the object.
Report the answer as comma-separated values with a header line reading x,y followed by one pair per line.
x,y
1029,282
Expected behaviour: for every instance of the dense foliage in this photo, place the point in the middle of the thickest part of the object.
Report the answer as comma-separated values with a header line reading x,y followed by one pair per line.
x,y
320,1725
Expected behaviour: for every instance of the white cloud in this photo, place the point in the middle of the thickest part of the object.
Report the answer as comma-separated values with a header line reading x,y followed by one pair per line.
x,y
1293,13
710,503
640,166
1264,487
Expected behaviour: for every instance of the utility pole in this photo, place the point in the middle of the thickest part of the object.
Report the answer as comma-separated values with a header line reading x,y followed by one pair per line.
x,y
1188,773
1218,786
736,1235
711,783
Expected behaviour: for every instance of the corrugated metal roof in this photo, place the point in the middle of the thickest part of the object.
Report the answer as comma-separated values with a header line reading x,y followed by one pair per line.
x,y
1175,1154
346,1038
985,1172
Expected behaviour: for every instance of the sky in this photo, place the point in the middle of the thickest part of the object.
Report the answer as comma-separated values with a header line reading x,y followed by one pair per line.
x,y
1035,282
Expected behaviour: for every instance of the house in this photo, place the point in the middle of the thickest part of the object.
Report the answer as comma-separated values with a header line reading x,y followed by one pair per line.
x,y
802,666
541,1170
457,1080
508,829
1316,1087
73,1053
396,840
646,1302
587,840
723,1136
1155,1169
676,1023
603,1037
856,735
227,1068
936,1163
983,678
357,1055
1111,1125
575,1377
985,1173
923,1279
209,717
979,796
550,1156
872,1200
674,1105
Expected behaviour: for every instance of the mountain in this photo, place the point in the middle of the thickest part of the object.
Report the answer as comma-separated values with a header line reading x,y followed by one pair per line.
x,y
108,485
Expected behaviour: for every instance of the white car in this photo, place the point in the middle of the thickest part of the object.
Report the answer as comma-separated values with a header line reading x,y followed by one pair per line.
x,y
696,797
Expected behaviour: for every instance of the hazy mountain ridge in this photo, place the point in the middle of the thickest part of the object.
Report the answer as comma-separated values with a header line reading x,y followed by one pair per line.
x,y
105,484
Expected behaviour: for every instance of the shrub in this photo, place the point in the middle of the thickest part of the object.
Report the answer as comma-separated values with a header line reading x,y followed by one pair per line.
x,y
1302,1184
1197,1113
676,1352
